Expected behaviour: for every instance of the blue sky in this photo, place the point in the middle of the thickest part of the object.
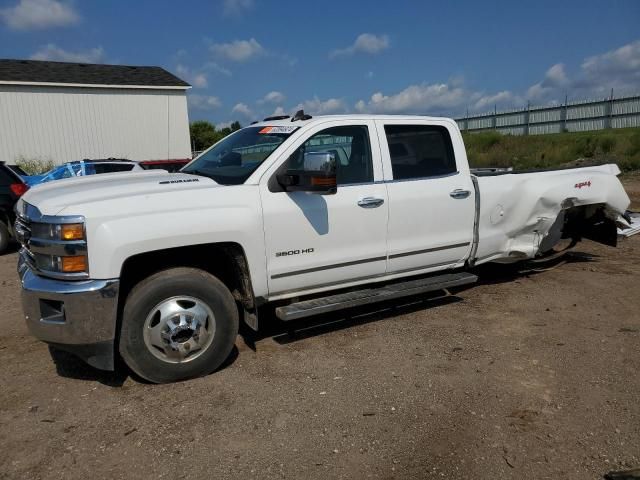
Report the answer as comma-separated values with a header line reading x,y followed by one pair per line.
x,y
251,58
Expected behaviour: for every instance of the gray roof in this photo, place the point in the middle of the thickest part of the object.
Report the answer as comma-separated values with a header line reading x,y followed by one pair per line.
x,y
38,71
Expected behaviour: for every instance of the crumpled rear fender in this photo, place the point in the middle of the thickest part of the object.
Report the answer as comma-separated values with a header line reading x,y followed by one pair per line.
x,y
522,215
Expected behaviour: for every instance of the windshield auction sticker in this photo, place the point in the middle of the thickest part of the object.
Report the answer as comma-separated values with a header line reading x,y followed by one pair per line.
x,y
279,129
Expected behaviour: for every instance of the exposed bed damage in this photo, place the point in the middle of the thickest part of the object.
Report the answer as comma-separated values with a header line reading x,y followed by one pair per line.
x,y
521,217
629,224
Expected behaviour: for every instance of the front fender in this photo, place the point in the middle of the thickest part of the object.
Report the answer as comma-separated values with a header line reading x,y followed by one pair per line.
x,y
215,218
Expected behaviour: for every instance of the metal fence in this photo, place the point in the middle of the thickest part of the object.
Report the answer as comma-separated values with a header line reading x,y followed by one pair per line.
x,y
570,117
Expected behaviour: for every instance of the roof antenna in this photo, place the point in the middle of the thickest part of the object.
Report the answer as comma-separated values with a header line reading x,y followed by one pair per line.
x,y
300,115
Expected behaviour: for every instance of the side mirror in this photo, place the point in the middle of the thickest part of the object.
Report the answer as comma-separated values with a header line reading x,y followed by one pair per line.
x,y
318,175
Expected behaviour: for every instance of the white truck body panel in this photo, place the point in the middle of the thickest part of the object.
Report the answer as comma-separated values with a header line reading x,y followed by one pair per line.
x,y
132,213
423,217
337,230
516,210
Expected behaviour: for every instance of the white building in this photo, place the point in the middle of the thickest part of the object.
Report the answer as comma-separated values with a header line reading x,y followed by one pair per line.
x,y
72,111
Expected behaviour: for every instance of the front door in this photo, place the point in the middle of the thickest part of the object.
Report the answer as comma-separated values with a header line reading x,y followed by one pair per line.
x,y
316,241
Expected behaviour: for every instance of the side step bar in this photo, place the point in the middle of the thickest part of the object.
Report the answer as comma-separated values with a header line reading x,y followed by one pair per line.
x,y
357,298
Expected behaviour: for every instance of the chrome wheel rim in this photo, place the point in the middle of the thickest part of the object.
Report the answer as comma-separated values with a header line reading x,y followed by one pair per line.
x,y
179,329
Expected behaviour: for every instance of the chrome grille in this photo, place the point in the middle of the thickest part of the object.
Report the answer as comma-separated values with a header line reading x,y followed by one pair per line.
x,y
22,229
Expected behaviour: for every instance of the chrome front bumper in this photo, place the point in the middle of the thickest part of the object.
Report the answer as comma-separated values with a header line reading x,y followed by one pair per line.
x,y
77,316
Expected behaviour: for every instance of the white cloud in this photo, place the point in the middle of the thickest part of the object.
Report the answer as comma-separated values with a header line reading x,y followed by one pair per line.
x,y
618,69
278,111
623,59
505,98
272,98
238,50
556,76
203,102
200,80
237,7
555,79
415,99
39,14
242,109
197,79
52,52
316,106
364,43
213,66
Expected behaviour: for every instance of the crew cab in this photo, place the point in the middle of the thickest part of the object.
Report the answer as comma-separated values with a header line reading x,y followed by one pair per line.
x,y
309,214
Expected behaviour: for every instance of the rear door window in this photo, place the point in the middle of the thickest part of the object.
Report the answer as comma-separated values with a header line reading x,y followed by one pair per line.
x,y
420,151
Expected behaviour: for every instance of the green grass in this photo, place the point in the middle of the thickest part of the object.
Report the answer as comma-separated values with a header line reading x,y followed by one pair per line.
x,y
491,149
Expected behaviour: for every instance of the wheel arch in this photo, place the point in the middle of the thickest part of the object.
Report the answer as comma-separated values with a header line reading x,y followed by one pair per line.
x,y
593,221
227,261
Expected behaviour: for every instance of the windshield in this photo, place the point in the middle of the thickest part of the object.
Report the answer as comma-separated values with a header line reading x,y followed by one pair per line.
x,y
232,160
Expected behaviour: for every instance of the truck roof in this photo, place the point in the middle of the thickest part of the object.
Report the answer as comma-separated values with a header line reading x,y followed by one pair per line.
x,y
323,118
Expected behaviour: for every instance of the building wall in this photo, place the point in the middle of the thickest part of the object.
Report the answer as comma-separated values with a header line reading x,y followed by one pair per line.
x,y
68,123
573,117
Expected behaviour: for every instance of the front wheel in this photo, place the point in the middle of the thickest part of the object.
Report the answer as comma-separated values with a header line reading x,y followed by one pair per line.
x,y
177,324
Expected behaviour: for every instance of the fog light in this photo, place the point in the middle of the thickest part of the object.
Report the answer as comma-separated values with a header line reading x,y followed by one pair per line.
x,y
74,264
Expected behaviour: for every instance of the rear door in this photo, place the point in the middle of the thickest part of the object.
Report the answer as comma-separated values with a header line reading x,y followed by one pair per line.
x,y
319,241
431,200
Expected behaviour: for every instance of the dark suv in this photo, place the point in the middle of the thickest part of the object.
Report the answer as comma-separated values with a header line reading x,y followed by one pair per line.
x,y
11,189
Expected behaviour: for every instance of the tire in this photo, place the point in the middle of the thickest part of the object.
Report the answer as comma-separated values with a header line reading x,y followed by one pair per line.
x,y
177,324
4,237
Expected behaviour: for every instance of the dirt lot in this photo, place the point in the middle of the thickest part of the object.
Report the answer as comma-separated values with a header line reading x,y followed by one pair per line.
x,y
526,375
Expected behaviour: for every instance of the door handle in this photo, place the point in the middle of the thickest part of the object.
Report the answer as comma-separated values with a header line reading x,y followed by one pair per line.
x,y
370,202
459,193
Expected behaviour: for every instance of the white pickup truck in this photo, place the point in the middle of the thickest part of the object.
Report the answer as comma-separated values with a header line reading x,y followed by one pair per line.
x,y
317,214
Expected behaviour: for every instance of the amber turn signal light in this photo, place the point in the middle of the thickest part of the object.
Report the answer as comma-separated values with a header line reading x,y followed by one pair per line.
x,y
72,231
74,264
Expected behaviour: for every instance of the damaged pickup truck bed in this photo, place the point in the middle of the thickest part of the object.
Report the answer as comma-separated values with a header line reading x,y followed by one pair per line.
x,y
307,214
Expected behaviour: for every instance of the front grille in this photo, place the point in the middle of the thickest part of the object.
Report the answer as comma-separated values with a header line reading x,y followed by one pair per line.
x,y
22,229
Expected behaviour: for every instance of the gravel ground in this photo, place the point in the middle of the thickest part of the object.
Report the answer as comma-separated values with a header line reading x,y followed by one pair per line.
x,y
525,375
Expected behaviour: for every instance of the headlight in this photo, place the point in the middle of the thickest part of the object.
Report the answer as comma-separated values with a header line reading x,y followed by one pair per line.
x,y
55,249
64,231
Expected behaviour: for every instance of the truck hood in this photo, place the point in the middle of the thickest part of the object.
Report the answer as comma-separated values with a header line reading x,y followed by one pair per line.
x,y
53,197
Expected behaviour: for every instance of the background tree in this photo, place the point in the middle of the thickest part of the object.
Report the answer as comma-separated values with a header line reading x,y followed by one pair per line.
x,y
204,134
